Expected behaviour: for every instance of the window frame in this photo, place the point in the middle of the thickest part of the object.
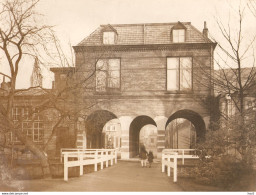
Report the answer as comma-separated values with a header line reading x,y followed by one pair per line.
x,y
178,35
109,89
114,38
179,85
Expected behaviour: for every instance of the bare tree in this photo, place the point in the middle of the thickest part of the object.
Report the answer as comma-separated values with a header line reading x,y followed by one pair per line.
x,y
20,36
252,6
63,100
234,82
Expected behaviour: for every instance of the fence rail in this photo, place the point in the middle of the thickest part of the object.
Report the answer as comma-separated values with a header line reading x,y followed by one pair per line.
x,y
80,157
175,154
184,153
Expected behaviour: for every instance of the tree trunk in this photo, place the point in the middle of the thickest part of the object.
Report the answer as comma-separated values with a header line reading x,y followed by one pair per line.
x,y
36,151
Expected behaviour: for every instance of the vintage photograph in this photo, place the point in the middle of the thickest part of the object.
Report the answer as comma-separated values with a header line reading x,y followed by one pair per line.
x,y
127,96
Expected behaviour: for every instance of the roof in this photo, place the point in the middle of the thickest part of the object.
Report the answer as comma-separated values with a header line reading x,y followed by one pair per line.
x,y
227,79
62,69
149,33
32,91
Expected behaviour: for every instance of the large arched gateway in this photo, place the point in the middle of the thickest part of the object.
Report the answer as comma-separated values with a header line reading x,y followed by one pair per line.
x,y
134,133
184,129
94,127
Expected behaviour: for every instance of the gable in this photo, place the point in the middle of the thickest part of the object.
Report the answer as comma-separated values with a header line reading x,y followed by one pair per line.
x,y
179,25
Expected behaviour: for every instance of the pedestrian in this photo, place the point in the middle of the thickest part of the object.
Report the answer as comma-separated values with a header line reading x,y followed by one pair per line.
x,y
143,156
150,158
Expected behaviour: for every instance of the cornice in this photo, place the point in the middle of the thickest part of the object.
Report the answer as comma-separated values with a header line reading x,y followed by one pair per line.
x,y
173,97
147,47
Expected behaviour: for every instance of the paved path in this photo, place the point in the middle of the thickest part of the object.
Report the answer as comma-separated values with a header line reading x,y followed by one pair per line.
x,y
124,176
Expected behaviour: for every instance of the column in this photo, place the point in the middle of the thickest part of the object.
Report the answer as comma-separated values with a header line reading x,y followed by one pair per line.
x,y
125,126
161,122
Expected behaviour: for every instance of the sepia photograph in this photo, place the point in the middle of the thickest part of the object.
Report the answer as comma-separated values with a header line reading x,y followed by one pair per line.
x,y
127,96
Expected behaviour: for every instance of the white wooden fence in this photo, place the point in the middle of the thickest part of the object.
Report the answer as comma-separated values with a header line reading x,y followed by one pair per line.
x,y
80,157
166,161
175,154
183,153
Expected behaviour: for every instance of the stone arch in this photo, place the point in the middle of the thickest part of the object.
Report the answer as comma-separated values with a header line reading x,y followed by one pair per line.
x,y
194,118
94,125
134,133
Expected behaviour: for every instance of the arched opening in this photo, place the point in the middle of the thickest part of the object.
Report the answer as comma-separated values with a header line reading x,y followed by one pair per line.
x,y
134,133
184,129
94,127
111,134
148,138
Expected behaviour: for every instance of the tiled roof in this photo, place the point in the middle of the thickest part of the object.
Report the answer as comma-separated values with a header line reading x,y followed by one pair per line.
x,y
137,34
32,91
226,79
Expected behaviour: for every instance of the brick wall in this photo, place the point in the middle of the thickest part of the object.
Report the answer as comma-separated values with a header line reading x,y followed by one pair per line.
x,y
143,71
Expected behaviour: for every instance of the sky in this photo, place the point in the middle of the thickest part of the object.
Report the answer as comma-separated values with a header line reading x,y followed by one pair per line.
x,y
73,20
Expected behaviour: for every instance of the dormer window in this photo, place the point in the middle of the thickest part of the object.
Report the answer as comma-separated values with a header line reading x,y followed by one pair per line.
x,y
178,35
108,38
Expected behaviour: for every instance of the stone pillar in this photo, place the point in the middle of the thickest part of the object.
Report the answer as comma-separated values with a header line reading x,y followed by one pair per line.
x,y
206,121
160,122
125,126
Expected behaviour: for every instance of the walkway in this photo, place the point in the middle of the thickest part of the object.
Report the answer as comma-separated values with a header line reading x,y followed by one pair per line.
x,y
124,176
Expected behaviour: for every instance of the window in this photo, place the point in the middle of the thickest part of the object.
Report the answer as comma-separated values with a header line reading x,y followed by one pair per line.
x,y
230,108
179,74
111,127
16,113
108,75
108,38
178,35
33,129
38,132
27,128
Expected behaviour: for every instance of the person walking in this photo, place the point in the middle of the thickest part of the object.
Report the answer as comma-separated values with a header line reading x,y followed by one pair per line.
x,y
143,156
150,158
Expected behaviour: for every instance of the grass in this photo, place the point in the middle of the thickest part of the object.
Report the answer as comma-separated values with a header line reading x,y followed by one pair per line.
x,y
246,182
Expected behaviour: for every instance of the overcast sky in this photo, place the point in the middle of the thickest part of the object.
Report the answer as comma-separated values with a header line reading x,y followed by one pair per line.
x,y
76,19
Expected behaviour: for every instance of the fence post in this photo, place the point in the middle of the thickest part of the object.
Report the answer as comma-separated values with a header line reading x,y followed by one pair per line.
x,y
115,156
111,156
107,158
175,168
61,155
65,167
96,160
163,166
183,157
101,163
168,167
81,158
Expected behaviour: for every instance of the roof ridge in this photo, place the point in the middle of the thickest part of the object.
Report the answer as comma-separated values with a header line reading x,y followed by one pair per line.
x,y
141,24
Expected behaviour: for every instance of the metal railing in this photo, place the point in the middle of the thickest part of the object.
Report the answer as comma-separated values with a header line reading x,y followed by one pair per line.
x,y
80,157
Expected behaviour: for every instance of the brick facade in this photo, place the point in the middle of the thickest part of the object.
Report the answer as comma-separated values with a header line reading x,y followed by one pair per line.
x,y
143,50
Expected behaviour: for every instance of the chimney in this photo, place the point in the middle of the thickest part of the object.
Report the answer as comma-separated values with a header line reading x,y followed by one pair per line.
x,y
205,30
53,85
